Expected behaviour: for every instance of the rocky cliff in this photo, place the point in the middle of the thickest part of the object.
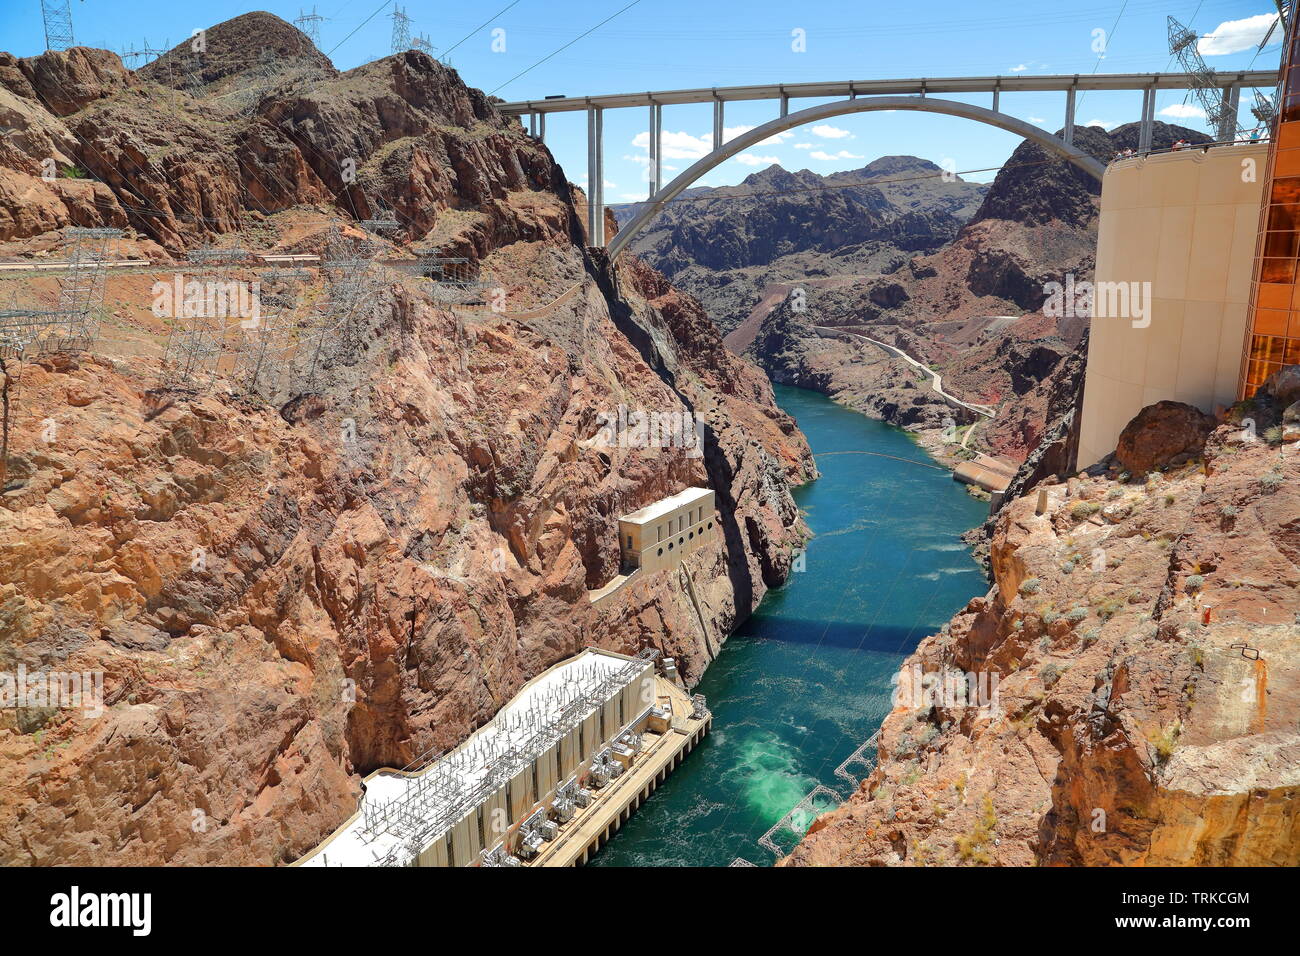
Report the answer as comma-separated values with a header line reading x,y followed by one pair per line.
x,y
285,595
1141,631
730,245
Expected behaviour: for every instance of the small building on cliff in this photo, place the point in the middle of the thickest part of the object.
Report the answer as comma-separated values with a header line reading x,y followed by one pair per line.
x,y
661,534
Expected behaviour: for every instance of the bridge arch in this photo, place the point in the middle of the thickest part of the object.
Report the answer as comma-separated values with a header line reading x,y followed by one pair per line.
x,y
813,114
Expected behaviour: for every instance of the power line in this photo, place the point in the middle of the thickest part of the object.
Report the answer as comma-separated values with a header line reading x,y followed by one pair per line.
x,y
480,26
565,47
378,11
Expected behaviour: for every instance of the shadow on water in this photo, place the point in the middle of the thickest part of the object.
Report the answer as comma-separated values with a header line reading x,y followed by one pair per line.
x,y
806,679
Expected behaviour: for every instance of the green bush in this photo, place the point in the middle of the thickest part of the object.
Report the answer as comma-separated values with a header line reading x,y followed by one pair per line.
x,y
1030,586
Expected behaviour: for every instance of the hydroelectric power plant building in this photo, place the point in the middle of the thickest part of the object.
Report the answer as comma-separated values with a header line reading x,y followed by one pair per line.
x,y
545,782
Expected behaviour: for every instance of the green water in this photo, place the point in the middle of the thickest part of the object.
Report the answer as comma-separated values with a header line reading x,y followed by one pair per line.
x,y
806,680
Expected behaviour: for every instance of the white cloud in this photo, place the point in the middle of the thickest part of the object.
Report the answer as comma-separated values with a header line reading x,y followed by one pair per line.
x,y
826,131
633,197
683,145
1183,111
677,145
1233,36
1020,69
731,132
645,161
803,145
1036,119
827,157
1101,124
749,159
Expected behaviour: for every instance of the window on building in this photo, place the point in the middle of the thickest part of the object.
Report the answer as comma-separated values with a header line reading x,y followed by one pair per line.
x,y
629,541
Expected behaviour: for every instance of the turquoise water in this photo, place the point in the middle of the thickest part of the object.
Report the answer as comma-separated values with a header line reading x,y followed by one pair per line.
x,y
806,680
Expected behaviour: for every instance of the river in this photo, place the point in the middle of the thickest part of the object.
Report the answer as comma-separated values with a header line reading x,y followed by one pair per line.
x,y
805,680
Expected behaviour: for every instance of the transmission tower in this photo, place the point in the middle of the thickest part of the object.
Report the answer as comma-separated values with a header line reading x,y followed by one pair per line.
x,y
81,288
1219,113
423,44
401,30
145,50
1265,108
58,24
309,23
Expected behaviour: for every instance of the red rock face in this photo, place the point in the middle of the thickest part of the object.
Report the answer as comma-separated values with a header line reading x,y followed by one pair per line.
x,y
1143,635
283,597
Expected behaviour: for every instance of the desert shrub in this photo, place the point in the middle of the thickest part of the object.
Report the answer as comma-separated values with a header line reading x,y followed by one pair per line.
x,y
1194,582
1030,586
1049,675
1076,614
1084,509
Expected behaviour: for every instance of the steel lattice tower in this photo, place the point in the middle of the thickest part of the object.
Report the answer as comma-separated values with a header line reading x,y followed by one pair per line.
x,y
58,24
1220,116
401,30
309,23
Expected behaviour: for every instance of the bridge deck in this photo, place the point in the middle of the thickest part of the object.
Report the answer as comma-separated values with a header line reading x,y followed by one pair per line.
x,y
918,86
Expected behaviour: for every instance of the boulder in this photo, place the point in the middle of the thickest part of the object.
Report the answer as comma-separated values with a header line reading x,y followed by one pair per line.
x,y
1166,433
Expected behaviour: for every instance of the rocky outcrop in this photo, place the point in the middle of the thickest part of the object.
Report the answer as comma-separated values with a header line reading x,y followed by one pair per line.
x,y
201,143
65,81
1163,435
1142,637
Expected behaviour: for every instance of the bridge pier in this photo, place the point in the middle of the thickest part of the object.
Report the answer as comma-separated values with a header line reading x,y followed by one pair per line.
x,y
717,123
1228,119
595,176
1148,117
1069,117
656,135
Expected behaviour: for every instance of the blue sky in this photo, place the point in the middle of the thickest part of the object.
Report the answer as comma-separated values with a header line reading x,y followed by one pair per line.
x,y
666,44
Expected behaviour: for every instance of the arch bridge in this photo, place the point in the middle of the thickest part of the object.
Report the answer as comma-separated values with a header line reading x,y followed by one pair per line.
x,y
857,97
